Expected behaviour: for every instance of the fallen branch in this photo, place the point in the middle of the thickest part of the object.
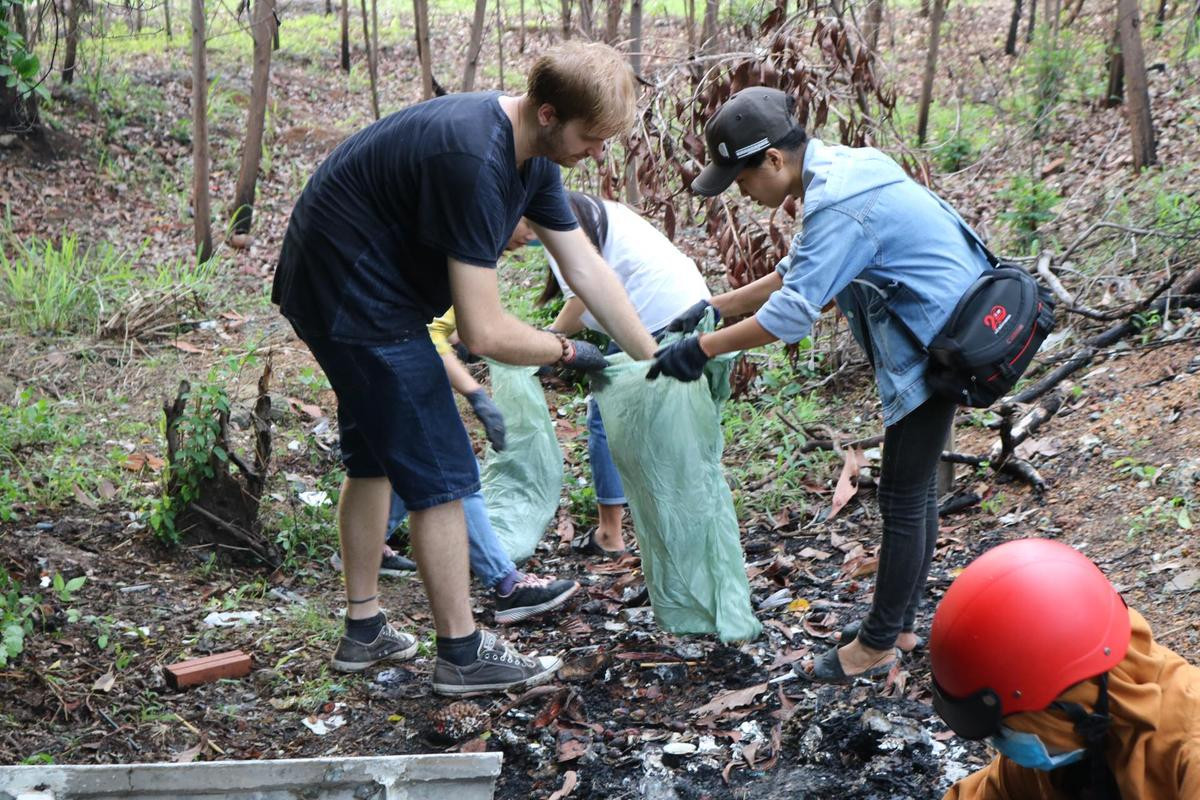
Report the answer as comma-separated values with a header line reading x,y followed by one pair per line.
x,y
1025,427
1083,356
1015,467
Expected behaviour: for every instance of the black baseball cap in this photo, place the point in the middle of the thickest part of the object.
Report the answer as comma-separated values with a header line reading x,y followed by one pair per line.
x,y
749,122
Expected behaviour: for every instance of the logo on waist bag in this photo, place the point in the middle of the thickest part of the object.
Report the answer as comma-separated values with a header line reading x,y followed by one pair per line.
x,y
996,319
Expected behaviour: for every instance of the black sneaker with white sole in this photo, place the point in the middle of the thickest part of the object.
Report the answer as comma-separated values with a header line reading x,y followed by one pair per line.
x,y
390,645
532,596
396,565
496,668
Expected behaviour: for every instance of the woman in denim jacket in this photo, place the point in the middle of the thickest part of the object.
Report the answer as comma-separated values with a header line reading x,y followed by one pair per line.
x,y
882,247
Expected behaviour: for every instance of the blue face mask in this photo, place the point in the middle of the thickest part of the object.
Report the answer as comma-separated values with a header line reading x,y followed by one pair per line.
x,y
1028,750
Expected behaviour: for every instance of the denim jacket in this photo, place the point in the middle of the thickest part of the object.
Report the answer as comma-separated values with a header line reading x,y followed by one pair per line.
x,y
882,246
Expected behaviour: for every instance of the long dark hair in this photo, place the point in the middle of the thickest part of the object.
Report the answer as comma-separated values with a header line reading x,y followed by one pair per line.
x,y
589,210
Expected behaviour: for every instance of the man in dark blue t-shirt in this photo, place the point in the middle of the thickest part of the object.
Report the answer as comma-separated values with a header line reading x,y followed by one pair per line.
x,y
404,219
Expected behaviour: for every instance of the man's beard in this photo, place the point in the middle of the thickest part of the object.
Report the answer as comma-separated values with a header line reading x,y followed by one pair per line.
x,y
550,145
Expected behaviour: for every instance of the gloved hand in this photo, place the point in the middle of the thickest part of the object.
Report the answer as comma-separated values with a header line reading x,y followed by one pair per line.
x,y
464,355
489,414
583,356
688,320
683,360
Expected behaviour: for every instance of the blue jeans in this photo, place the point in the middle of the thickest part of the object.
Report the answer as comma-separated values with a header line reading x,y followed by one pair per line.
x,y
605,480
489,562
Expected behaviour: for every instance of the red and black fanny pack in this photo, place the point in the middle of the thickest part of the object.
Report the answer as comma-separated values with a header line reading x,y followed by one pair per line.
x,y
992,334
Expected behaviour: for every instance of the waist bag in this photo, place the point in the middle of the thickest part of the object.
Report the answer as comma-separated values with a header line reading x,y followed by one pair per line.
x,y
992,334
990,338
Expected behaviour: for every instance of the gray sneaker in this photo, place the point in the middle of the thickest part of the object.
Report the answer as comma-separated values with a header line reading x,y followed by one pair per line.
x,y
497,668
389,645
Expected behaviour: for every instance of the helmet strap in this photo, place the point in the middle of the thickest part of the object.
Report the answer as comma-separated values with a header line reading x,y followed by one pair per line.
x,y
1094,727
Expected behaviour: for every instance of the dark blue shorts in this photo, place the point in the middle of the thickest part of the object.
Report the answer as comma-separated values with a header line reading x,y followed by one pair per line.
x,y
397,418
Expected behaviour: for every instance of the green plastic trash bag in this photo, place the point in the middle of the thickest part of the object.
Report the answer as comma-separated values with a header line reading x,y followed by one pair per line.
x,y
522,484
665,437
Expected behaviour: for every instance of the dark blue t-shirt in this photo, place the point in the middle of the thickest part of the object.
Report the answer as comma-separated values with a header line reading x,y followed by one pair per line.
x,y
364,256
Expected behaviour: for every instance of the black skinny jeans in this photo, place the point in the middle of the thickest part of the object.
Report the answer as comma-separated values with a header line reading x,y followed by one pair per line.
x,y
908,504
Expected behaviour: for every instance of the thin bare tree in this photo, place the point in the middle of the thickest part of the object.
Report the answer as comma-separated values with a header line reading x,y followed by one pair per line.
x,y
1014,25
708,33
345,64
872,23
372,73
421,26
635,34
612,20
931,57
201,209
166,17
565,5
262,27
72,45
1137,89
475,45
1114,94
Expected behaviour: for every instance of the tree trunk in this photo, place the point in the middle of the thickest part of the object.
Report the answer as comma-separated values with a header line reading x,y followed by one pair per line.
x,y
1053,12
421,25
587,17
612,20
521,41
1137,98
473,48
200,203
72,45
935,35
1014,25
328,8
566,18
345,35
371,73
499,42
1160,18
635,33
1076,7
166,18
1032,21
924,12
263,28
691,25
872,23
708,33
17,112
1115,92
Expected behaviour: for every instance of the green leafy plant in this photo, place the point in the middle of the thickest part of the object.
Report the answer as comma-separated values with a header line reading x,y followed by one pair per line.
x,y
19,65
17,612
64,589
198,431
1029,203
955,153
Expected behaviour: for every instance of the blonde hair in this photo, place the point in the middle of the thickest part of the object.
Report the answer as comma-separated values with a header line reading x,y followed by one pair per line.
x,y
588,81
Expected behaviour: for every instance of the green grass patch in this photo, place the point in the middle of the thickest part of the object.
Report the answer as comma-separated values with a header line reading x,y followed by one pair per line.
x,y
60,287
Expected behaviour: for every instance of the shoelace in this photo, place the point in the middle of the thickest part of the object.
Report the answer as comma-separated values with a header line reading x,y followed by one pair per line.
x,y
507,654
531,582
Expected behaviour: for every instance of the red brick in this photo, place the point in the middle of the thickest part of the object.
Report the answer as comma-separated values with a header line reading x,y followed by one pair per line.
x,y
232,664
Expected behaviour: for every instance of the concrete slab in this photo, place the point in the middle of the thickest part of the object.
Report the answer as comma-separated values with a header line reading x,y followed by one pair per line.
x,y
468,776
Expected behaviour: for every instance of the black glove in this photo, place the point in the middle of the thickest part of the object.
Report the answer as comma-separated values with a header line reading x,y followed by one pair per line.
x,y
464,355
683,360
489,414
688,320
583,356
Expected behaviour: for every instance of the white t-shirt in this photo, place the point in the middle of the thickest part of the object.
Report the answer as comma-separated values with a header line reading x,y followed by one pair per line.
x,y
661,282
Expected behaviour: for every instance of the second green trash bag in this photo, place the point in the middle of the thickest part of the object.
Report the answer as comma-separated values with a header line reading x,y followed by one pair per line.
x,y
523,483
666,440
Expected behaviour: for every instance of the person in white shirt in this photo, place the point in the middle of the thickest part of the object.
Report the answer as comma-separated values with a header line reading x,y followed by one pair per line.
x,y
661,282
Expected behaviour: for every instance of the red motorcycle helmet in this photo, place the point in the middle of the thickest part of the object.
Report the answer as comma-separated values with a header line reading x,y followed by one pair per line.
x,y
1022,623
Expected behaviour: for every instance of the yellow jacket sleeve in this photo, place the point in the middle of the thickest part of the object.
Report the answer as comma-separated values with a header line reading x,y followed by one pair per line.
x,y
440,330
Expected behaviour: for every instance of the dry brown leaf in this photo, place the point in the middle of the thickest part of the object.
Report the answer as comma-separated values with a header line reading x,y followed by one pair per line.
x,y
308,409
104,682
189,755
570,779
476,745
565,529
186,347
85,499
106,489
730,699
847,485
813,553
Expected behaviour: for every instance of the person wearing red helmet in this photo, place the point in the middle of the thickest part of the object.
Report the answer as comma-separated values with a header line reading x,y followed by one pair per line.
x,y
1033,648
